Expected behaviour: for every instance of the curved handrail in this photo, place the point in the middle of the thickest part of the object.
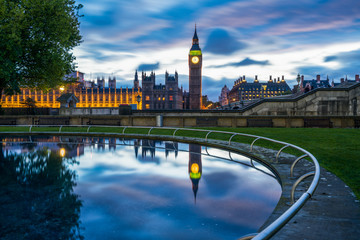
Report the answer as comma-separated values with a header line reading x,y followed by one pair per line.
x,y
289,213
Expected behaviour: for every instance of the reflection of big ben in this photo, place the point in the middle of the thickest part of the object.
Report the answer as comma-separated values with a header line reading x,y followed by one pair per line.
x,y
195,166
195,64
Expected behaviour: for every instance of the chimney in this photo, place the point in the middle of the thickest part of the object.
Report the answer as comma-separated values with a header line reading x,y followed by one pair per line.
x,y
282,78
357,79
302,78
342,80
318,78
256,79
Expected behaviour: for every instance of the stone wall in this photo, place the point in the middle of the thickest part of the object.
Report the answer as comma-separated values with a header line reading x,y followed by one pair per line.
x,y
196,120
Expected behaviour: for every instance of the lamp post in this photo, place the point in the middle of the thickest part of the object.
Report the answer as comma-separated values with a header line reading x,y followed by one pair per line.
x,y
138,99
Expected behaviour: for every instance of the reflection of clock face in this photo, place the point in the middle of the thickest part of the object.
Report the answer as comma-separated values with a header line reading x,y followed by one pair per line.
x,y
195,60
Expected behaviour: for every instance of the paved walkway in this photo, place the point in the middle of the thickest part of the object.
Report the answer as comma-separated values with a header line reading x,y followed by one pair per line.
x,y
332,213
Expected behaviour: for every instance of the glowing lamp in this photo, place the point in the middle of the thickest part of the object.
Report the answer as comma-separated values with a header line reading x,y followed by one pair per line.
x,y
194,168
62,88
62,152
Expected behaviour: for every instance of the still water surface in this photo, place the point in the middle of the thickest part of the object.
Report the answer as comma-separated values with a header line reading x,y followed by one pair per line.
x,y
97,188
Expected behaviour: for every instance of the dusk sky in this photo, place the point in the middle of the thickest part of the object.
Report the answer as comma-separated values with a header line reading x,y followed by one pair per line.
x,y
250,37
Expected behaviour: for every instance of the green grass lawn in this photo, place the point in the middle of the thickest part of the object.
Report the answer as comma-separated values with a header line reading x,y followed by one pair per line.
x,y
337,150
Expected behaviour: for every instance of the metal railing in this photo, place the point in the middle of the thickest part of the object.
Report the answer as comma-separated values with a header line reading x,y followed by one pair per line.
x,y
275,226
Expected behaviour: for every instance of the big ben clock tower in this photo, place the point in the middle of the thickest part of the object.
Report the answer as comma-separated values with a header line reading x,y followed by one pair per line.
x,y
195,64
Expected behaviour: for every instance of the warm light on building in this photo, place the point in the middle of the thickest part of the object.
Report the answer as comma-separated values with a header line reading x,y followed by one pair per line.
x,y
88,97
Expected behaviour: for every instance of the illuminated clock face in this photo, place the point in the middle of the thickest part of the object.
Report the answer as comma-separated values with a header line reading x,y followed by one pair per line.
x,y
195,60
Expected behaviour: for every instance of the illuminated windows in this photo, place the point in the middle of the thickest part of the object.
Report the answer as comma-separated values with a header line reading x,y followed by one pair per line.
x,y
147,98
147,106
171,98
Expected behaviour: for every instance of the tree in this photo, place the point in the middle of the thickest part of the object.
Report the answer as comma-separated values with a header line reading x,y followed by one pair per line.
x,y
36,40
40,201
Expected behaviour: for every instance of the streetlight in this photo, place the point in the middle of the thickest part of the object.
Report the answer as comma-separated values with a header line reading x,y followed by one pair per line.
x,y
138,99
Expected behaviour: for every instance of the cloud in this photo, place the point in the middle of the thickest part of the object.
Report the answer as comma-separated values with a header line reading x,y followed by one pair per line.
x,y
148,67
245,62
348,65
330,58
345,58
310,72
213,87
221,42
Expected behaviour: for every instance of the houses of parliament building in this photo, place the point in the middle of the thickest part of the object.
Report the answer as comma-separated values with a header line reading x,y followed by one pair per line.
x,y
148,96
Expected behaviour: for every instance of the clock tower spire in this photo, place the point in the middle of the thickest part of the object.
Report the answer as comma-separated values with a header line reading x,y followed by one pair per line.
x,y
195,65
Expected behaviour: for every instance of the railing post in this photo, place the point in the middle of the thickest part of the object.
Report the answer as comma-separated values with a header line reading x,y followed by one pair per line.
x,y
123,132
278,154
295,162
150,131
206,151
297,183
88,129
231,138
207,135
252,144
175,132
30,128
60,129
230,156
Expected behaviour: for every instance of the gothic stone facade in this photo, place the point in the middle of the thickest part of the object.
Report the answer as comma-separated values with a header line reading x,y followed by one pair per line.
x,y
168,96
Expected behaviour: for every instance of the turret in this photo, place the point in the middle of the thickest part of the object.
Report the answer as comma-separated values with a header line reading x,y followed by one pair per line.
x,y
136,80
270,79
112,83
282,79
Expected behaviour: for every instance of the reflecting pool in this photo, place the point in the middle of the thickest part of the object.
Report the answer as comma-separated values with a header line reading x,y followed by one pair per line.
x,y
101,188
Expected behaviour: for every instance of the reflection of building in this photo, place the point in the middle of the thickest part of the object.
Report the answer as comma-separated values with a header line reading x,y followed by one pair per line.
x,y
101,143
242,90
112,143
195,166
65,146
171,147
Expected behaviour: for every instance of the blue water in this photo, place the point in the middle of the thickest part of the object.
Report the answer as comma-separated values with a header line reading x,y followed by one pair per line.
x,y
74,188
